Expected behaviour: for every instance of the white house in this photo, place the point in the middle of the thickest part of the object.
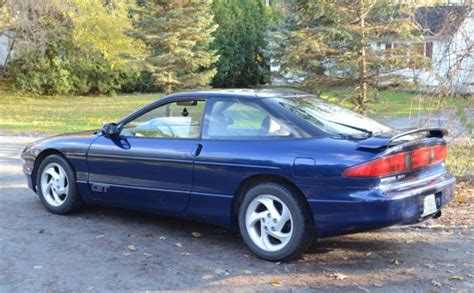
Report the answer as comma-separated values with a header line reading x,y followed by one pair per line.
x,y
449,43
4,49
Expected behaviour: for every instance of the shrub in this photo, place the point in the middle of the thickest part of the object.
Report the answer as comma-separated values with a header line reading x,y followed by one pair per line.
x,y
50,74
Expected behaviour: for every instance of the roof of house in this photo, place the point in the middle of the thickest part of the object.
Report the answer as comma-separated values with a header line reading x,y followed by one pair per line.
x,y
441,20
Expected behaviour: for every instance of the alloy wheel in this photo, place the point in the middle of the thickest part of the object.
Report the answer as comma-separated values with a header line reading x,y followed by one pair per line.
x,y
54,184
269,223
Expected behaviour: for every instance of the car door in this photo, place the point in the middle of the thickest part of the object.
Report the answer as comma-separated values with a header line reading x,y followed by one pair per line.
x,y
239,139
150,164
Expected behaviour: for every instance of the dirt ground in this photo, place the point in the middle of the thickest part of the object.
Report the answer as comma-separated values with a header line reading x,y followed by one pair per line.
x,y
106,249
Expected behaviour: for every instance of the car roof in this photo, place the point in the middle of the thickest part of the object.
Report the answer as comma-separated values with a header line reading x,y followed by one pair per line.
x,y
242,93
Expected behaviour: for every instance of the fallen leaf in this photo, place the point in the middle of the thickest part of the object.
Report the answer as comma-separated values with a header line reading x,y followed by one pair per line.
x,y
430,266
275,282
337,276
196,234
395,262
99,236
37,267
436,283
456,278
410,271
179,245
368,253
247,272
132,247
207,277
147,254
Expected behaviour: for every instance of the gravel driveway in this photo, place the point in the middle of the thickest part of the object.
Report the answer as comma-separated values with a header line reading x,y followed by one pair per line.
x,y
105,249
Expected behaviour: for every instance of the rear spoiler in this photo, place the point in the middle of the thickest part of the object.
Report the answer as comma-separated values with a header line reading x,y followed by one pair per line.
x,y
377,142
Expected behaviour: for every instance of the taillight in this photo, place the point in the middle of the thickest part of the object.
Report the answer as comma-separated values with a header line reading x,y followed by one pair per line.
x,y
382,166
440,153
420,157
399,163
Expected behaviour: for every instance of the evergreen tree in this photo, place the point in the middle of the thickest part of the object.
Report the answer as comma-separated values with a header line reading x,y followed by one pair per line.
x,y
178,35
333,43
240,42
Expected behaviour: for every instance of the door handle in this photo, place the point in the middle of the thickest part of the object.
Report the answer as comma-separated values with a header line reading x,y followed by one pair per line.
x,y
198,150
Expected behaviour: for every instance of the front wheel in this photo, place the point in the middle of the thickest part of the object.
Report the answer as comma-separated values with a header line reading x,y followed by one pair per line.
x,y
275,223
57,185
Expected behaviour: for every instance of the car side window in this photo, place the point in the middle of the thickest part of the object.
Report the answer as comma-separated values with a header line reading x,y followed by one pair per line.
x,y
237,119
180,119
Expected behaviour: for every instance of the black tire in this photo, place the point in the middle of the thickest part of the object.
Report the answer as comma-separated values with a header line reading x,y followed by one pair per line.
x,y
73,201
303,224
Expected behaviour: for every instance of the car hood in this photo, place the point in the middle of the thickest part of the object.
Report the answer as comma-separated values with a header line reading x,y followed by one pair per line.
x,y
77,142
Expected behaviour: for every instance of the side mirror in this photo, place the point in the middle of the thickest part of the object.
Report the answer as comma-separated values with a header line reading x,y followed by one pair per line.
x,y
110,130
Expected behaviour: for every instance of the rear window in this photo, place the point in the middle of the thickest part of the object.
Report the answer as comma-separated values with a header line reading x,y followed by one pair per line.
x,y
330,118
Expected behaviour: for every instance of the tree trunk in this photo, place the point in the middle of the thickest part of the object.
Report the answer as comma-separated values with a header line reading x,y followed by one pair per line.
x,y
168,87
362,98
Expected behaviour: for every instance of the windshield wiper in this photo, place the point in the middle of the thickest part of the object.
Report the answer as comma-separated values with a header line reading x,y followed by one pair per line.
x,y
369,133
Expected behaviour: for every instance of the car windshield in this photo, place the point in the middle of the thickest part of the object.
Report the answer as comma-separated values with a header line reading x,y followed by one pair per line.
x,y
331,118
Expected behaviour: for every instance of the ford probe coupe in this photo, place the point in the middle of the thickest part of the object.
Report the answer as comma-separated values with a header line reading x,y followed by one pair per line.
x,y
281,168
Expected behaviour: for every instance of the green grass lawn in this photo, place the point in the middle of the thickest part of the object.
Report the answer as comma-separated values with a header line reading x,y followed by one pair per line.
x,y
393,103
57,114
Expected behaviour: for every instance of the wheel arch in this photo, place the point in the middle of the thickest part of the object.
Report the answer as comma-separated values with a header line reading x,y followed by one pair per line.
x,y
254,180
41,156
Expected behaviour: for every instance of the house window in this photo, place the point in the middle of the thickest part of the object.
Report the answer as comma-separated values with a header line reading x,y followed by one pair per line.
x,y
417,49
429,49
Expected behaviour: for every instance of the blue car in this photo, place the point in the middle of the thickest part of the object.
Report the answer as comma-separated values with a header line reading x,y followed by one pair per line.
x,y
281,168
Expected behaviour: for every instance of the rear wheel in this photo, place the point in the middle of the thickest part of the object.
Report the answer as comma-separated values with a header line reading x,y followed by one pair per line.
x,y
275,222
57,185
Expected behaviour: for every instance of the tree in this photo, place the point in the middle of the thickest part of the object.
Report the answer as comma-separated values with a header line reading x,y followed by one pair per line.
x,y
335,43
178,35
4,15
70,47
100,25
240,42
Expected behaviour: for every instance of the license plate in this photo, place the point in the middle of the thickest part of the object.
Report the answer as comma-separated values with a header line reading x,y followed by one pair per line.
x,y
429,205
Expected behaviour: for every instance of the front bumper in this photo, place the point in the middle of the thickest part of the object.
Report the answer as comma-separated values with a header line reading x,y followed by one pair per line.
x,y
28,167
378,208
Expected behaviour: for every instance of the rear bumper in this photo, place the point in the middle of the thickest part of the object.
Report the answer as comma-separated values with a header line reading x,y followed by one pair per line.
x,y
378,208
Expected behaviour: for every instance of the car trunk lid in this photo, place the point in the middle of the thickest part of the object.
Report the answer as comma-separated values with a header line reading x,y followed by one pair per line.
x,y
401,152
